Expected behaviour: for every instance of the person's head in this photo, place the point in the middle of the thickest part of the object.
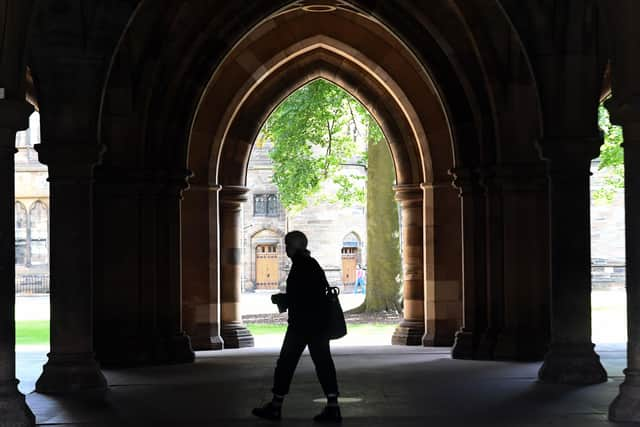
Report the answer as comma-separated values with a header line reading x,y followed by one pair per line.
x,y
295,241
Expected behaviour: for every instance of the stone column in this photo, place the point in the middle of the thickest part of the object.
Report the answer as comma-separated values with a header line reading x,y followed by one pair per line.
x,y
200,273
626,406
473,268
71,366
170,257
411,329
234,333
571,358
13,408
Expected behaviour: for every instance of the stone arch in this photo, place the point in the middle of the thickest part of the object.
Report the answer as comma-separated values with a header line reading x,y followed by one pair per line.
x,y
469,89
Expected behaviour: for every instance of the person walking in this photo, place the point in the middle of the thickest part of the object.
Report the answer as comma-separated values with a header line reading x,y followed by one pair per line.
x,y
306,302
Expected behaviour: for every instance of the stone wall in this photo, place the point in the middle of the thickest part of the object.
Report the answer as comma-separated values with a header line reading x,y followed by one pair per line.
x,y
326,225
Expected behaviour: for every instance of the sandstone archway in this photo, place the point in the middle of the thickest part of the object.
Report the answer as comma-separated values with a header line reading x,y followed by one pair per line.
x,y
444,98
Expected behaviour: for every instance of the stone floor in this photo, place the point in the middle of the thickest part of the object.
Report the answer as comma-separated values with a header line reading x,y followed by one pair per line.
x,y
380,386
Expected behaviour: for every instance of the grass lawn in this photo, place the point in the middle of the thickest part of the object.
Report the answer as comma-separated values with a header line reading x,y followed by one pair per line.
x,y
259,329
32,332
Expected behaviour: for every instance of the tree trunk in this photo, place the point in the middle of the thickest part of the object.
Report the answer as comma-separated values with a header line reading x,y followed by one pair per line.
x,y
384,269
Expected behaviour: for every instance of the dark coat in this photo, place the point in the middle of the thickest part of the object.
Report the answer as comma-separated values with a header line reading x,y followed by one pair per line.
x,y
306,295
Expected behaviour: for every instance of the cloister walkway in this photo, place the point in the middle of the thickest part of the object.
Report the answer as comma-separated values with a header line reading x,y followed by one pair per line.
x,y
380,386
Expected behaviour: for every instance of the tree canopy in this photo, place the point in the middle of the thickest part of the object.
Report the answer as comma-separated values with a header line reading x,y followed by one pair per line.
x,y
315,131
611,159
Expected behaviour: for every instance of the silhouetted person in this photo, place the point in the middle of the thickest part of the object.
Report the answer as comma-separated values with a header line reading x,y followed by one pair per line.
x,y
307,304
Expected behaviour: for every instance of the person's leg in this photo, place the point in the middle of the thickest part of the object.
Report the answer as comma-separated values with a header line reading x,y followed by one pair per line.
x,y
325,369
292,349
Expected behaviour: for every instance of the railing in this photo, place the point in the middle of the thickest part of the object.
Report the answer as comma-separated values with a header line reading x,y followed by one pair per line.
x,y
32,284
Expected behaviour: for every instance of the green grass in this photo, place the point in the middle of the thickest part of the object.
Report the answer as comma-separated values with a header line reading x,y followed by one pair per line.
x,y
259,329
36,332
32,332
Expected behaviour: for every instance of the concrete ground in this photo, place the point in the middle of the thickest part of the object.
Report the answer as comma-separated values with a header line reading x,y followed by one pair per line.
x,y
380,386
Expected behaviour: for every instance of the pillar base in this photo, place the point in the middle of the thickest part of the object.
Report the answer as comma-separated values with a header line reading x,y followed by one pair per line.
x,y
14,411
626,406
463,347
71,373
486,346
572,364
408,332
236,335
204,343
180,350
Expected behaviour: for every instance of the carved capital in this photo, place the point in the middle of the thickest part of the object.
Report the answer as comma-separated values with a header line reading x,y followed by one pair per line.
x,y
14,115
70,161
624,111
466,180
233,196
570,152
514,177
142,182
209,188
409,194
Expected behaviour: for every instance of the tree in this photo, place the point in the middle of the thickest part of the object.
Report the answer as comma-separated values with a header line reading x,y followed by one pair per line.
x,y
316,130
611,159
383,232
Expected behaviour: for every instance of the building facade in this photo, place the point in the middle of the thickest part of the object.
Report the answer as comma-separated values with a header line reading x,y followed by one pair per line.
x,y
31,213
336,233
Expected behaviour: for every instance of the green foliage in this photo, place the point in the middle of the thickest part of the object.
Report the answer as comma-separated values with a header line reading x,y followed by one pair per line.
x,y
314,132
611,159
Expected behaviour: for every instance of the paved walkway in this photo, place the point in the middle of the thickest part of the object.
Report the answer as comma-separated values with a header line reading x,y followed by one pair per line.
x,y
380,386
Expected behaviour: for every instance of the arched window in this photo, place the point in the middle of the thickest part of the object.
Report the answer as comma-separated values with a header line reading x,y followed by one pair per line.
x,y
39,233
21,234
273,205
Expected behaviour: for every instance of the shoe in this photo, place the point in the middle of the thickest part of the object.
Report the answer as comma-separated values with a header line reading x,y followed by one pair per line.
x,y
330,414
268,411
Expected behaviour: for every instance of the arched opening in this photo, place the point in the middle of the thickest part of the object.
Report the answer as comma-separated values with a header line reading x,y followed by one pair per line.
x,y
32,282
420,184
608,258
445,120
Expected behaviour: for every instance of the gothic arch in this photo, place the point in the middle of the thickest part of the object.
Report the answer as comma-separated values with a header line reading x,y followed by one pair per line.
x,y
439,78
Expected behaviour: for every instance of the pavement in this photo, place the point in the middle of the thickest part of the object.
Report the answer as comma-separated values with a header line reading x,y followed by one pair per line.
x,y
380,386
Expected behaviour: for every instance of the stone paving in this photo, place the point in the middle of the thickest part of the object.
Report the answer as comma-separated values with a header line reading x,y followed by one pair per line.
x,y
380,386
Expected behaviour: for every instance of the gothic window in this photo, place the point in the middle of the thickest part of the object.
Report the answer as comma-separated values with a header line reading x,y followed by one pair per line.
x,y
266,205
260,205
21,234
39,233
273,205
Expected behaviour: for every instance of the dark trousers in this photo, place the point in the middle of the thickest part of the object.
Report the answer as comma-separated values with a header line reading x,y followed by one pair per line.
x,y
292,348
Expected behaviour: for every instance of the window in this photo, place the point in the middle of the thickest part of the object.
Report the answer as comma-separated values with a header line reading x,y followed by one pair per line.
x,y
21,234
266,205
38,233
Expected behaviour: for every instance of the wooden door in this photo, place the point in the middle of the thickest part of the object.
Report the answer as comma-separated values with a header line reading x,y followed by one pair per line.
x,y
267,267
349,264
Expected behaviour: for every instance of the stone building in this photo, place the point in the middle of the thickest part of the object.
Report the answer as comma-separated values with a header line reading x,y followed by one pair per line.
x,y
337,234
149,109
31,213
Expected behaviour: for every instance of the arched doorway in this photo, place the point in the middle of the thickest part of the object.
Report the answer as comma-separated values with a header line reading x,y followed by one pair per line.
x,y
266,260
351,256
440,117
